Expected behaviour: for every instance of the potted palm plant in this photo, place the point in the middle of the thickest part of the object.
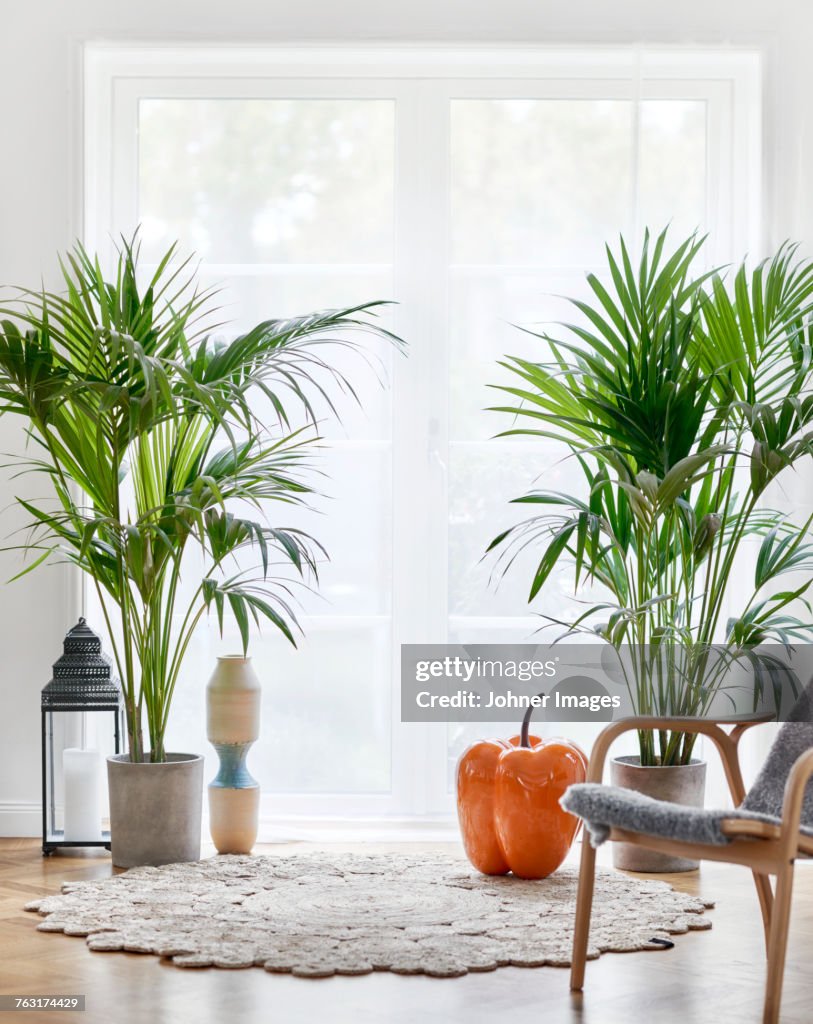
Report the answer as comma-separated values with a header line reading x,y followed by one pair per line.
x,y
165,450
682,399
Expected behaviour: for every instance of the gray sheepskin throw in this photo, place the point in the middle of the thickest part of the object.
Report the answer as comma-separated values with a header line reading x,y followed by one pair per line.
x,y
605,807
315,915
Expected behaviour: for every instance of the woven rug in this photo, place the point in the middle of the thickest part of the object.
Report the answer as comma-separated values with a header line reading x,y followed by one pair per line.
x,y
315,915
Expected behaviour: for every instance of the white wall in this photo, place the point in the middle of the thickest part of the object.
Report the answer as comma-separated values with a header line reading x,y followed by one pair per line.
x,y
40,175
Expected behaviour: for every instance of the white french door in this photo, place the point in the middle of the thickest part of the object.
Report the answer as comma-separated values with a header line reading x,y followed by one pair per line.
x,y
474,188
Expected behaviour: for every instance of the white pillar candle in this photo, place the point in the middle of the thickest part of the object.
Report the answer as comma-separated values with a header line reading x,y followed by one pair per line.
x,y
83,810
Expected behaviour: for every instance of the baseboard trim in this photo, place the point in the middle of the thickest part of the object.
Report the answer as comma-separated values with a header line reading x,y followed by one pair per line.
x,y
276,829
20,819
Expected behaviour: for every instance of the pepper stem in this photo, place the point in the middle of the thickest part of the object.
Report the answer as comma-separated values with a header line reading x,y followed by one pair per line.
x,y
526,724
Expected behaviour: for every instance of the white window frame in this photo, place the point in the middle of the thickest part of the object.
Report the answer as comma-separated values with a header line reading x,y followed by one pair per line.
x,y
421,80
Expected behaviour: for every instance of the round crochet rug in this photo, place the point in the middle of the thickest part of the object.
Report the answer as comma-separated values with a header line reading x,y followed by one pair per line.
x,y
316,915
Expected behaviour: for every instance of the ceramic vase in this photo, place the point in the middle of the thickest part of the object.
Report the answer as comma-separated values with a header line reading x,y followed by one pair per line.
x,y
232,725
155,810
678,784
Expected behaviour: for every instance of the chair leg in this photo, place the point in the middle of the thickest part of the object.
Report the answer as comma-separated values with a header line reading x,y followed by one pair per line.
x,y
780,918
584,905
765,894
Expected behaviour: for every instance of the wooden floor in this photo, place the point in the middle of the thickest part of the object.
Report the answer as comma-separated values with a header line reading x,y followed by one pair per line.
x,y
713,976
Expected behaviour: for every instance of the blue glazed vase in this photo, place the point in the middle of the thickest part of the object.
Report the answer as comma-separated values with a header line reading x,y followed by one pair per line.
x,y
233,725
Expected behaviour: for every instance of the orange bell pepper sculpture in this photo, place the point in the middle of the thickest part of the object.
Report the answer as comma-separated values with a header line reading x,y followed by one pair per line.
x,y
508,803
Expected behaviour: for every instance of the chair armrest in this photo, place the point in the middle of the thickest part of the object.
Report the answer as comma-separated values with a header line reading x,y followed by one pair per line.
x,y
726,743
793,801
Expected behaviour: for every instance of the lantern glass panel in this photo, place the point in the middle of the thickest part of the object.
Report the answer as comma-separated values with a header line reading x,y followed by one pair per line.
x,y
87,732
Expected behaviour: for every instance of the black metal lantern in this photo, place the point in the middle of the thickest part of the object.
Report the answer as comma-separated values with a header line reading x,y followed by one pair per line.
x,y
82,682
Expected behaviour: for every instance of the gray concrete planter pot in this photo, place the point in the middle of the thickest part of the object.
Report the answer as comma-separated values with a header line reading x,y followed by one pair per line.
x,y
155,810
677,784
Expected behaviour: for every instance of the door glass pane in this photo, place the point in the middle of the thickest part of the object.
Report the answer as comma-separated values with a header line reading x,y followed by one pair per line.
x,y
537,188
352,518
483,479
673,165
289,203
255,294
268,180
486,305
326,707
538,181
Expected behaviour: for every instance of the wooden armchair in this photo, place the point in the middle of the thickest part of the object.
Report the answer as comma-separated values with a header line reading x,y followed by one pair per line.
x,y
764,834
